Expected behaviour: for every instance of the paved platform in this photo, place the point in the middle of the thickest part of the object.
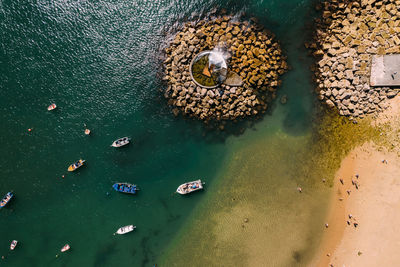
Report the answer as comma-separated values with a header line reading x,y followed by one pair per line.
x,y
385,70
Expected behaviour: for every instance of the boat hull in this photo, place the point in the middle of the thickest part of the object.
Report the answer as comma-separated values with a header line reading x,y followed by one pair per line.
x,y
190,187
76,165
51,107
13,244
121,142
125,188
125,229
6,199
65,248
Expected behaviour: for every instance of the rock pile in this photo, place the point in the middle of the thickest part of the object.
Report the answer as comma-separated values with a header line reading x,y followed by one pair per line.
x,y
348,34
255,56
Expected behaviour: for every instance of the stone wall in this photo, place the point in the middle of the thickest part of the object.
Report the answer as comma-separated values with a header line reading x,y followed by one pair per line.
x,y
347,35
255,56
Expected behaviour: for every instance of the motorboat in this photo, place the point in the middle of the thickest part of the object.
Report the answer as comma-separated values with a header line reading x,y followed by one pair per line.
x,y
125,188
65,248
51,107
76,165
121,142
190,187
13,244
4,201
125,229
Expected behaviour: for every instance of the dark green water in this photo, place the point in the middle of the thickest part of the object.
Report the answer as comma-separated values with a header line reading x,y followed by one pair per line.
x,y
99,61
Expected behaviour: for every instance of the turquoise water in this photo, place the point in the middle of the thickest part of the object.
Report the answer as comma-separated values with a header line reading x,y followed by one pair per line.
x,y
99,62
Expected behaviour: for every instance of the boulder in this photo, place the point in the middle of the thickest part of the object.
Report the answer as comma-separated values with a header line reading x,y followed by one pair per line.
x,y
391,94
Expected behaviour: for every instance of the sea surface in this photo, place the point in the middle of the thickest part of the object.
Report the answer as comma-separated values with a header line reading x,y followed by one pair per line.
x,y
99,61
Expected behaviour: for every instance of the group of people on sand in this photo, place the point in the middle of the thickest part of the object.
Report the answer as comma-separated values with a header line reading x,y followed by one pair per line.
x,y
351,220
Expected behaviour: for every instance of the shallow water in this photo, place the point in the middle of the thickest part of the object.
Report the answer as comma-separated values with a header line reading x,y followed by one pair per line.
x,y
99,61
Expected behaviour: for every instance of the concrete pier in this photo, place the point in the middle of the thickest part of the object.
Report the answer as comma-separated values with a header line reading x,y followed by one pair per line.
x,y
385,70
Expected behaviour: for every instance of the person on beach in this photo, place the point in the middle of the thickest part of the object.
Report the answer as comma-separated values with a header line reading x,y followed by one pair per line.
x,y
341,181
348,192
299,189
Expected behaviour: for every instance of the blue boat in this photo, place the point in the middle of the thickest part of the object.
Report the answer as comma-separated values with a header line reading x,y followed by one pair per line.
x,y
6,199
125,188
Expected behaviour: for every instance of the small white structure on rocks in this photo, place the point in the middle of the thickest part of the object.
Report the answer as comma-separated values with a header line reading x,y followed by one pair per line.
x,y
385,70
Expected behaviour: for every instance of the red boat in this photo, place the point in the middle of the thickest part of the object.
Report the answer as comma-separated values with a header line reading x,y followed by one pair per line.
x,y
51,107
65,248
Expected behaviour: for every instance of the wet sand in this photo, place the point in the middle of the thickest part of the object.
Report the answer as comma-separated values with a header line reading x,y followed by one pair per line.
x,y
374,240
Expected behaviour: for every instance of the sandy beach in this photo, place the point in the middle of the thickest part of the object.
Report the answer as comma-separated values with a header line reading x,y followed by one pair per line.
x,y
363,217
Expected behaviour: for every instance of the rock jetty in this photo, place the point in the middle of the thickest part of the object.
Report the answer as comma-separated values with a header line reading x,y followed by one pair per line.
x,y
255,56
347,36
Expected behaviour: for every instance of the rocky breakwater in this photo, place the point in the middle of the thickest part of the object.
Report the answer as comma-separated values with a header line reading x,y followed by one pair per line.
x,y
347,36
254,55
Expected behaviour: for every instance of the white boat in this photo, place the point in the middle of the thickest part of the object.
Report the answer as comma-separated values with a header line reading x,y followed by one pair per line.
x,y
125,229
51,107
121,142
13,244
65,248
189,187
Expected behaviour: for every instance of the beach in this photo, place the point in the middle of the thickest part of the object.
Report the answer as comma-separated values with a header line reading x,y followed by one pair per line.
x,y
371,238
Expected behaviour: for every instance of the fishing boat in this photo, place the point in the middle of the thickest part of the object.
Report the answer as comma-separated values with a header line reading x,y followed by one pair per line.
x,y
13,244
121,142
51,107
189,187
76,165
125,229
6,199
65,248
125,188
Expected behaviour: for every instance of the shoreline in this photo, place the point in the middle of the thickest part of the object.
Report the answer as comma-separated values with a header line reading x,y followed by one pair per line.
x,y
372,205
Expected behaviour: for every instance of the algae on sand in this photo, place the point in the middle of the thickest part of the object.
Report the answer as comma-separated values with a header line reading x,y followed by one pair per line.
x,y
254,214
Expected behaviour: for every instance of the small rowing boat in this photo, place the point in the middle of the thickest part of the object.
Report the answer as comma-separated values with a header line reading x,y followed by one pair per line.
x,y
121,142
13,244
65,248
125,229
125,188
51,107
190,187
6,199
76,165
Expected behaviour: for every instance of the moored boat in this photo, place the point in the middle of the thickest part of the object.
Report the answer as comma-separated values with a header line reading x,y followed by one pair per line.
x,y
65,248
51,107
13,244
6,199
189,187
125,229
76,165
121,142
125,188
